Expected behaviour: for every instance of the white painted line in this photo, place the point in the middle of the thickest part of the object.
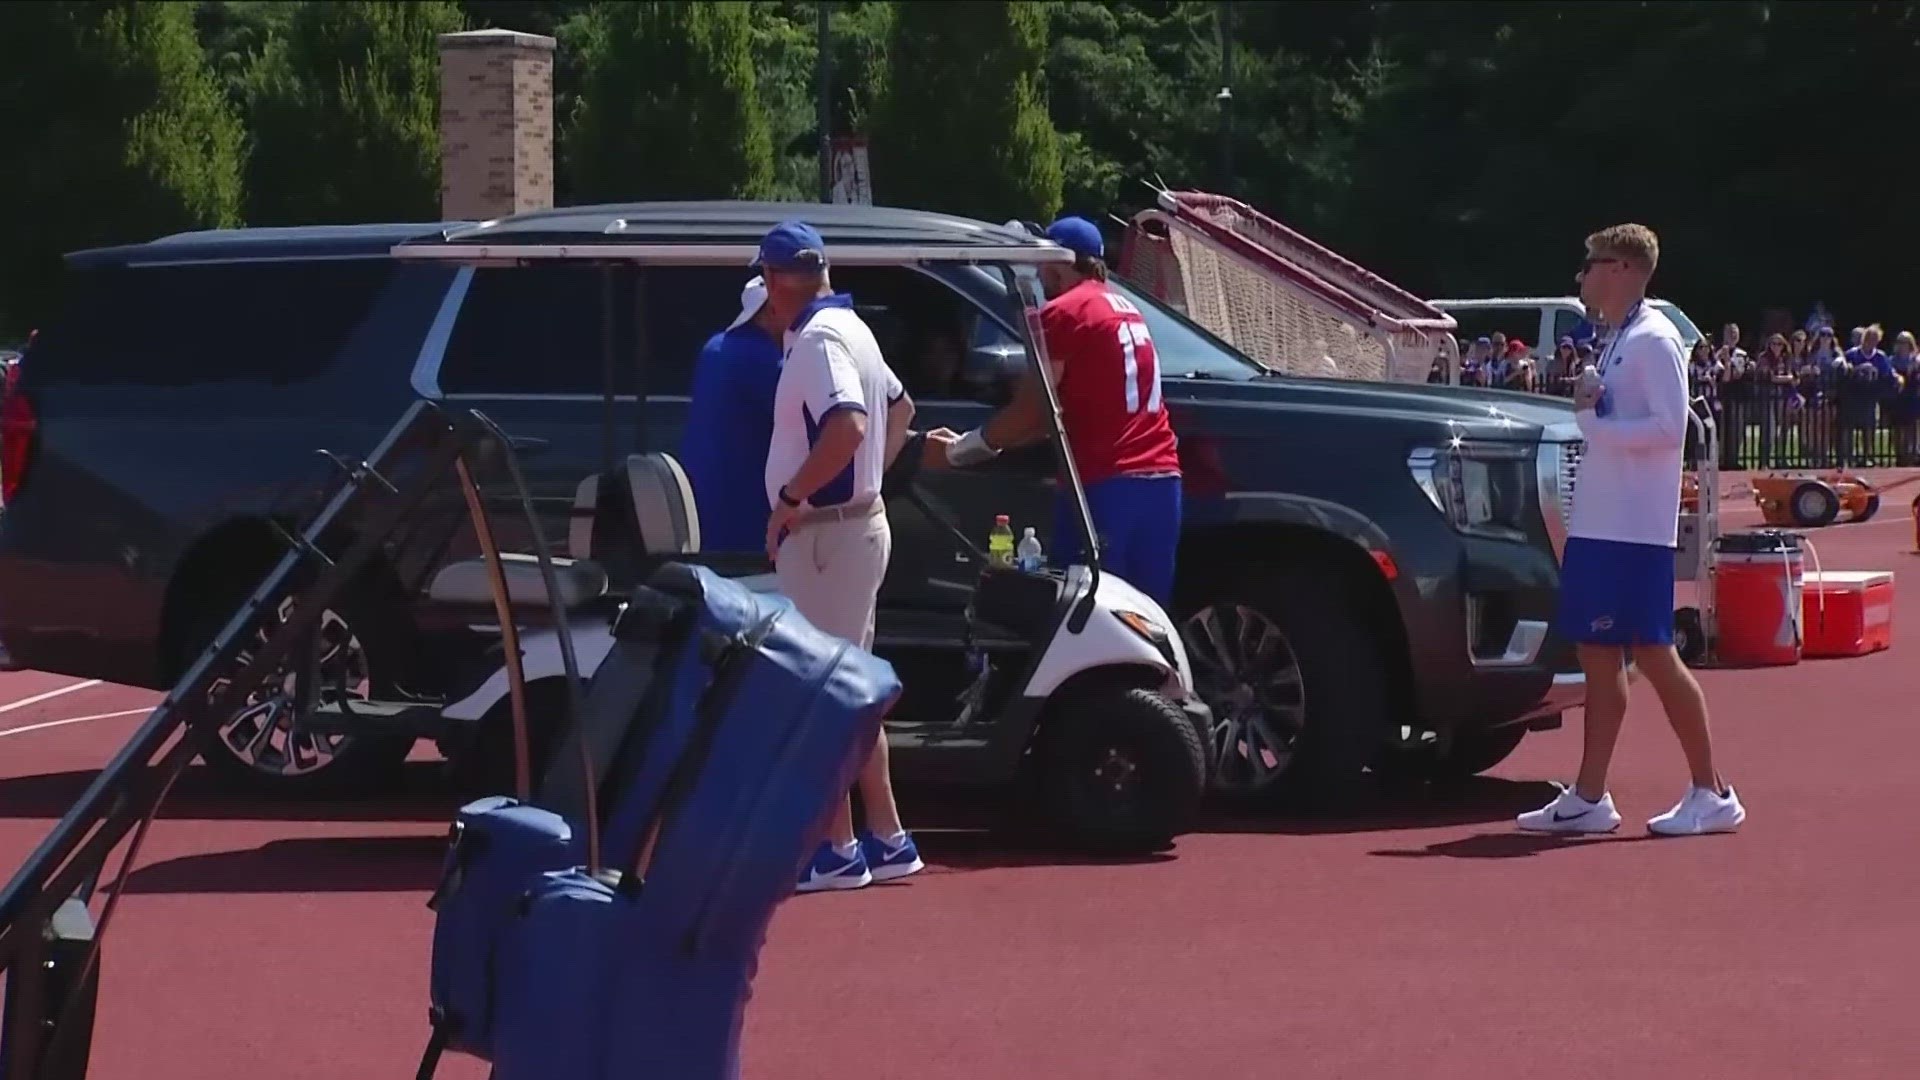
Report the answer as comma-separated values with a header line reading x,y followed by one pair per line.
x,y
73,720
38,698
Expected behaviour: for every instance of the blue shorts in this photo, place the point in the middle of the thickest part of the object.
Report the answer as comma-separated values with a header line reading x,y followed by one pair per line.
x,y
1614,593
1138,521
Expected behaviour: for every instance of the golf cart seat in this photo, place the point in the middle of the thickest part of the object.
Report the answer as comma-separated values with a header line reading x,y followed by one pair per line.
x,y
643,512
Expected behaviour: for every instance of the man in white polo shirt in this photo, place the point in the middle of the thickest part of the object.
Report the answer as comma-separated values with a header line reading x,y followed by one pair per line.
x,y
839,417
1616,581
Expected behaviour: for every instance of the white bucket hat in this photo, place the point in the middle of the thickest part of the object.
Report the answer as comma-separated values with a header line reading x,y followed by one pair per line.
x,y
752,296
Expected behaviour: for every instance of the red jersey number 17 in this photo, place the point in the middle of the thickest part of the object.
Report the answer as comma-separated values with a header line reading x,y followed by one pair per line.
x,y
1136,348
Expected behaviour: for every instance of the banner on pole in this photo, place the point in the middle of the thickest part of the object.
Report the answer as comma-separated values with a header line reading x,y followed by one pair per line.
x,y
852,180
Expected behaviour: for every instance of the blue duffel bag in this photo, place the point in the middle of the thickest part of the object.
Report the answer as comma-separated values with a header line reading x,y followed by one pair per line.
x,y
645,969
501,845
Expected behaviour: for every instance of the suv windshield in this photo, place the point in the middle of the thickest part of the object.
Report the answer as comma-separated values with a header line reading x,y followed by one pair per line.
x,y
1185,349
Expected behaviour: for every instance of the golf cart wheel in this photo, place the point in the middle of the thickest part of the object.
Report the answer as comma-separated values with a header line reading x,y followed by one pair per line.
x,y
485,766
1871,508
1300,690
1123,770
1689,635
261,749
1814,504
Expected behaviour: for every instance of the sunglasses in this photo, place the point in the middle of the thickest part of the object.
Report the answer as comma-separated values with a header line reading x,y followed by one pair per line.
x,y
1592,261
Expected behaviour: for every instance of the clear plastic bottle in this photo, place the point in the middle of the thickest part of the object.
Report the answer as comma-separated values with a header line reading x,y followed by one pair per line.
x,y
1000,542
1028,555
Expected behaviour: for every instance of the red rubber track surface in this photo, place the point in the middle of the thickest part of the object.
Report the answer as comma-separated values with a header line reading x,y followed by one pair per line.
x,y
1418,936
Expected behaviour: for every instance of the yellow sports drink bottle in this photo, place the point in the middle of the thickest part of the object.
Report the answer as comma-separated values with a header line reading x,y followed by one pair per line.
x,y
1000,541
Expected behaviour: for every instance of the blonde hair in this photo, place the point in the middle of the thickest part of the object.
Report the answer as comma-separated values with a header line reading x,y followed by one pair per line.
x,y
1635,245
1905,337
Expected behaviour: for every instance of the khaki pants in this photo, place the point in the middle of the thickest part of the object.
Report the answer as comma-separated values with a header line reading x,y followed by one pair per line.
x,y
831,566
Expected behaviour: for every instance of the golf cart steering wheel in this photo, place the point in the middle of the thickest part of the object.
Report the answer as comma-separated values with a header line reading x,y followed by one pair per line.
x,y
902,481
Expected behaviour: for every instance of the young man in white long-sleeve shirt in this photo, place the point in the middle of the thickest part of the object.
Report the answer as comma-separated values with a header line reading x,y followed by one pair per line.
x,y
1616,581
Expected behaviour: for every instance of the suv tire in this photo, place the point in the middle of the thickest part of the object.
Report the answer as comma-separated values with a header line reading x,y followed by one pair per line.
x,y
1470,755
286,763
1296,680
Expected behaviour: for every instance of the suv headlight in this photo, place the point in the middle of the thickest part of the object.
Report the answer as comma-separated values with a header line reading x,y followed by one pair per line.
x,y
1481,488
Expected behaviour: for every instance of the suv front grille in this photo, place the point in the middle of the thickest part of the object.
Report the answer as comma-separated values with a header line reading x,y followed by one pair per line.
x,y
1569,470
1557,469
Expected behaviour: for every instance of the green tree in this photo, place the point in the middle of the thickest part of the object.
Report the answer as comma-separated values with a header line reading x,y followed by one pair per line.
x,y
344,113
669,105
116,131
963,126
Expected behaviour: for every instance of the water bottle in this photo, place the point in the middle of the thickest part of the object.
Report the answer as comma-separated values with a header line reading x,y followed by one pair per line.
x,y
1000,542
1030,558
1590,382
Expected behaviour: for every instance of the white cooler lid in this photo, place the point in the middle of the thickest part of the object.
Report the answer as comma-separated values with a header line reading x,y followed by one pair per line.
x,y
1847,580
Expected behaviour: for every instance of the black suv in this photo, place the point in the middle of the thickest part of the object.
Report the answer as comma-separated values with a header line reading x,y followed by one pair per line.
x,y
1365,580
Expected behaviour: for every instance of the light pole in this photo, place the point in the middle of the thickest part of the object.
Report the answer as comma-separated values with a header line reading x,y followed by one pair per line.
x,y
1225,97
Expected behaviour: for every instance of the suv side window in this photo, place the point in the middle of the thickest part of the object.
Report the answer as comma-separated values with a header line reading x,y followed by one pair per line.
x,y
536,330
279,323
1564,322
683,307
1515,322
929,333
925,328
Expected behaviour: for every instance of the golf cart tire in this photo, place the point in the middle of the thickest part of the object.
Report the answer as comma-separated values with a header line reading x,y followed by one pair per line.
x,y
1689,636
1089,719
365,766
1813,504
1871,508
484,764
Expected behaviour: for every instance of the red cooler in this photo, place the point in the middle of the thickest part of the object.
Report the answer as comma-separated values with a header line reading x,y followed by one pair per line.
x,y
1848,612
1758,582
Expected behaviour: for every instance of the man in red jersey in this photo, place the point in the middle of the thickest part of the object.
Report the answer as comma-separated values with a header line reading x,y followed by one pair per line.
x,y
1107,376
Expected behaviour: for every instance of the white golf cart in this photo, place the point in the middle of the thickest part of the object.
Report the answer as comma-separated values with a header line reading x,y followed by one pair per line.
x,y
1089,677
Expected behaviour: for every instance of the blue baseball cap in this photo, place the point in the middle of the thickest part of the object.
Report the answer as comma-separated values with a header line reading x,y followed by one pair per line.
x,y
792,245
1078,235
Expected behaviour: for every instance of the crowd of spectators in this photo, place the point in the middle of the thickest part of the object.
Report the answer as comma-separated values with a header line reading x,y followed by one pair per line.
x,y
1800,395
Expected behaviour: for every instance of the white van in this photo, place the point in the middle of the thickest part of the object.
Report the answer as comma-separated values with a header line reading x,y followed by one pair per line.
x,y
1540,321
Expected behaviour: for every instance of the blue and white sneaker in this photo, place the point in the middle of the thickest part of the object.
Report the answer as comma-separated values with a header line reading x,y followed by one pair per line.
x,y
891,861
831,870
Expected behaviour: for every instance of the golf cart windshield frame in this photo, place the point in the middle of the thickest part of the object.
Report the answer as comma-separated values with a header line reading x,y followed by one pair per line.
x,y
1016,262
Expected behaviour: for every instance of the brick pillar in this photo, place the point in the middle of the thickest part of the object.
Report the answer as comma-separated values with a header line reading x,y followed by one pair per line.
x,y
496,124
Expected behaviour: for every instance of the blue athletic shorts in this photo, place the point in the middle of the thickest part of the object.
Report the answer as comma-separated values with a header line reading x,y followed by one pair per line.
x,y
1138,521
1614,593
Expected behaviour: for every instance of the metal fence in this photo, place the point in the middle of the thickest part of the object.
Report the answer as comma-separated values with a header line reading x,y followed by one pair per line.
x,y
1839,418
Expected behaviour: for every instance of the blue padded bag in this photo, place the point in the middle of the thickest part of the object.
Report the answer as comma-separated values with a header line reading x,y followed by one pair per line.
x,y
500,847
773,728
497,846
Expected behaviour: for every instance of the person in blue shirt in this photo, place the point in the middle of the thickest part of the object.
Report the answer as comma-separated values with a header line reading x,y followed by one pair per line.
x,y
730,426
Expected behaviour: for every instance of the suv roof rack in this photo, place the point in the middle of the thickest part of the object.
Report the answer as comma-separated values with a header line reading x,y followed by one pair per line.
x,y
728,234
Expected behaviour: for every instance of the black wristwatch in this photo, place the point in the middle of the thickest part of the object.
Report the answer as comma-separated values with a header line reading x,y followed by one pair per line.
x,y
787,499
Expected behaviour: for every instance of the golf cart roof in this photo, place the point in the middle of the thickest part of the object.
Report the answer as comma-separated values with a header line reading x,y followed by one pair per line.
x,y
728,234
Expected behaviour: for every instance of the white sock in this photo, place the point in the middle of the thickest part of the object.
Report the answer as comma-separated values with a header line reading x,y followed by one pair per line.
x,y
846,851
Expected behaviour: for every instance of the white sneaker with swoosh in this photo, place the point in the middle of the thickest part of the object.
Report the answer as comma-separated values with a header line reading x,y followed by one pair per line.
x,y
1700,812
1569,813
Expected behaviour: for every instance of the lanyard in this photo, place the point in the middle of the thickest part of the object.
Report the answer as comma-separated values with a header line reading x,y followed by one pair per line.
x,y
1613,346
